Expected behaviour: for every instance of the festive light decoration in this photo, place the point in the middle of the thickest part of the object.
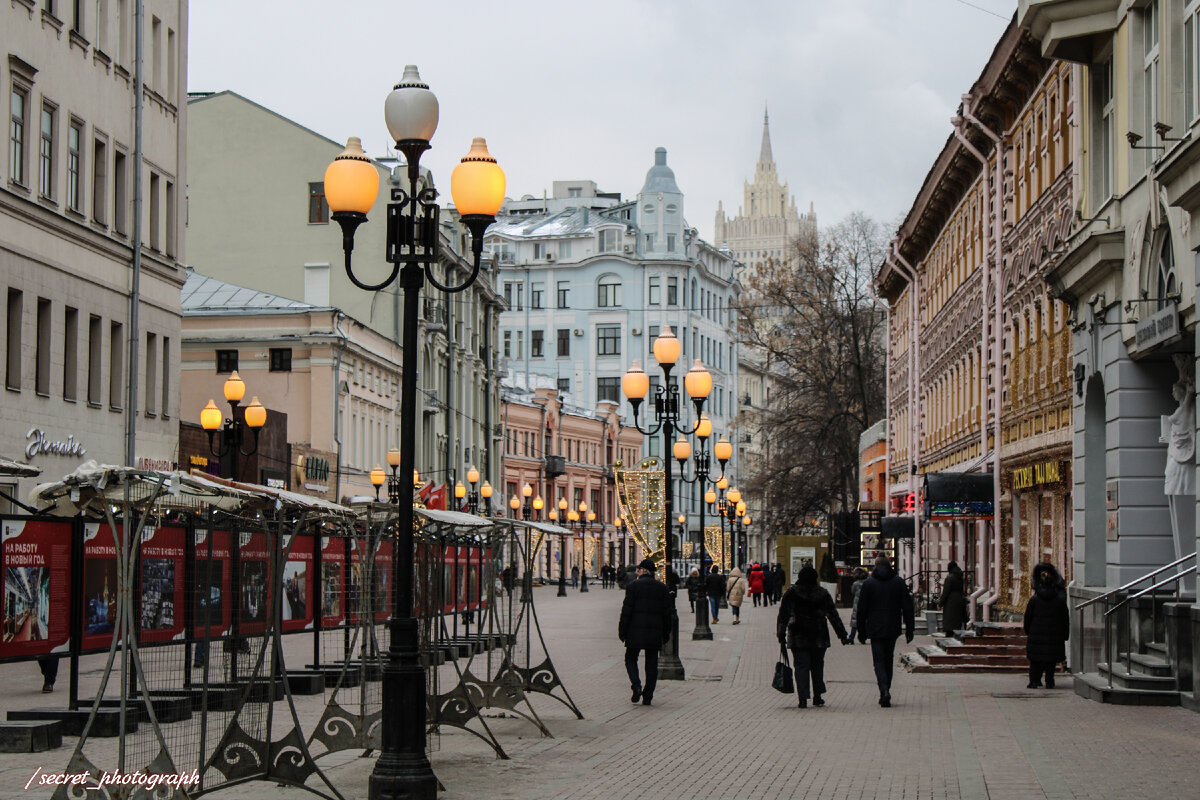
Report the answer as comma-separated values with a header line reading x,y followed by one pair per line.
x,y
641,493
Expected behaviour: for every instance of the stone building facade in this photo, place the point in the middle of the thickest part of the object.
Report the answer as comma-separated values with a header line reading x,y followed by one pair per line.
x,y
82,211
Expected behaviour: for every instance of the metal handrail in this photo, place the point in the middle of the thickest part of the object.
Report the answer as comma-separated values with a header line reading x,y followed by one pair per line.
x,y
1173,579
1134,582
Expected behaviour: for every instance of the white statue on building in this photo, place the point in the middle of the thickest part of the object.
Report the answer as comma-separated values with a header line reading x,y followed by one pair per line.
x,y
1179,432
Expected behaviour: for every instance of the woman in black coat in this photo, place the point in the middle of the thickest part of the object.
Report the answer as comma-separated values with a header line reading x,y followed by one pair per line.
x,y
953,600
1047,625
801,625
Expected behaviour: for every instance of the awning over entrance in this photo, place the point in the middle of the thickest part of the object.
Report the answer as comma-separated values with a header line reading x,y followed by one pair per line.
x,y
954,495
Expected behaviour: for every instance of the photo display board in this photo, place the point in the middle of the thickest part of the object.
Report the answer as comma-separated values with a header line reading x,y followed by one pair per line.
x,y
163,595
333,581
99,586
35,606
255,569
214,574
298,582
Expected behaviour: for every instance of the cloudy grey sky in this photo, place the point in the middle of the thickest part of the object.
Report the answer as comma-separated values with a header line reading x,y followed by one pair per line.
x,y
860,91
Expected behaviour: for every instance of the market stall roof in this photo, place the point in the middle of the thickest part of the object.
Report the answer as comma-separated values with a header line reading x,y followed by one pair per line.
x,y
10,467
456,518
546,527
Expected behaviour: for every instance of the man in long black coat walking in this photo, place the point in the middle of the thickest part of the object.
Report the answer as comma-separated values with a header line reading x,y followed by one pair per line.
x,y
645,626
883,602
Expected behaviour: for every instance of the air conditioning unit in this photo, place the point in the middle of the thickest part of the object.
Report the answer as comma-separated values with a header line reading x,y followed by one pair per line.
x,y
635,331
579,331
549,256
628,248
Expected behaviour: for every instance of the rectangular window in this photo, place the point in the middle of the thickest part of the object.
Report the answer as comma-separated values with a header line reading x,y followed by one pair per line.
x,y
654,295
608,389
564,288
41,378
670,243
155,210
564,342
116,364
155,52
46,153
608,293
564,250
520,349
77,16
672,291
535,343
74,165
151,388
100,181
318,209
166,378
281,359
507,344
536,295
171,210
539,250
95,365
608,340
610,241
1150,76
12,361
227,361
649,242
70,354
16,136
564,386
171,68
650,339
120,193
1191,60
1104,130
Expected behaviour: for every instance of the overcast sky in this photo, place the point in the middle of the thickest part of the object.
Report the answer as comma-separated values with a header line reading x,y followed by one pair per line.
x,y
860,91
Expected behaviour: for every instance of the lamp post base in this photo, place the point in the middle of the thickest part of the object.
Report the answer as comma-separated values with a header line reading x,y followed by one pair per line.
x,y
583,581
702,631
670,668
403,782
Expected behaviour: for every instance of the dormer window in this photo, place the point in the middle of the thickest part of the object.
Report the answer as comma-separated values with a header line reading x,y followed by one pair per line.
x,y
610,240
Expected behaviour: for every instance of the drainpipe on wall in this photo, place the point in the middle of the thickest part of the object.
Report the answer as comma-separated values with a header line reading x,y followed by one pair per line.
x,y
887,394
914,382
997,343
337,405
135,290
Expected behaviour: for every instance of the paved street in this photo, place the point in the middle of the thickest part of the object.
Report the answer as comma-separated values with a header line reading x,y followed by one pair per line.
x,y
723,733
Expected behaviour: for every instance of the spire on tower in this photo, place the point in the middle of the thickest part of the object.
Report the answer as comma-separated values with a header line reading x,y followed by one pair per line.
x,y
764,155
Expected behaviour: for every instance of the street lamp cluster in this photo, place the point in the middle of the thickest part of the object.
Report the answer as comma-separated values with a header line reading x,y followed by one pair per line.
x,y
233,430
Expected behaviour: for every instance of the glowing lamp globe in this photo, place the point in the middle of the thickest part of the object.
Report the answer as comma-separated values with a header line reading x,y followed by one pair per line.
x,y
393,457
734,495
538,503
234,388
710,497
377,476
723,450
351,180
514,503
210,417
460,491
722,483
472,475
698,381
682,449
256,415
635,383
704,428
485,491
667,348
477,183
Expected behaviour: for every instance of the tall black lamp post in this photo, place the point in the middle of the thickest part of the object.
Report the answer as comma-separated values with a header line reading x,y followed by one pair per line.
x,y
233,430
681,450
562,548
698,384
351,186
583,520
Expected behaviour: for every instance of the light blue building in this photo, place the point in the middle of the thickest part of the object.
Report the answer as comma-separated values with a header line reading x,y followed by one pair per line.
x,y
590,281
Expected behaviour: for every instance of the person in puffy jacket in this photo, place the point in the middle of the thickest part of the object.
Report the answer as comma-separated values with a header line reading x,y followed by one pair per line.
x,y
1047,626
756,582
695,588
735,591
801,626
883,605
714,588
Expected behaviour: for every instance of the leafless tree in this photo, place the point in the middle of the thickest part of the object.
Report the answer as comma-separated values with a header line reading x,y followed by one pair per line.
x,y
811,323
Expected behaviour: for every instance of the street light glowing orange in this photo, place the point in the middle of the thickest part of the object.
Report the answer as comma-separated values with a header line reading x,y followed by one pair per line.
x,y
698,381
667,348
235,388
351,180
682,449
635,382
477,183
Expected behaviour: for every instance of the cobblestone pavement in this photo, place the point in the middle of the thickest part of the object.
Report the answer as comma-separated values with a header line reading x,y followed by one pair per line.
x,y
724,733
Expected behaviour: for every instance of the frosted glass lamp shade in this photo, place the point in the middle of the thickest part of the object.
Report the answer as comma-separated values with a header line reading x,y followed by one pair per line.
x,y
411,110
351,180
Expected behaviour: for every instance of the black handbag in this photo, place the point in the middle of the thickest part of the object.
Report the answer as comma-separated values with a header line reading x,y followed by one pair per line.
x,y
783,674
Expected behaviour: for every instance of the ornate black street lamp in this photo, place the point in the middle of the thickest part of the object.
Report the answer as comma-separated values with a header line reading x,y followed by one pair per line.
x,y
562,548
583,520
412,239
698,384
681,450
233,430
473,494
623,532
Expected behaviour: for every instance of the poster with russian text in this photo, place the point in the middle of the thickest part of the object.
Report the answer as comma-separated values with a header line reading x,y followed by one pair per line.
x,y
35,606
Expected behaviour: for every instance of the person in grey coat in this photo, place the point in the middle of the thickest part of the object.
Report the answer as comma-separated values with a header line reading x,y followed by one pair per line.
x,y
860,577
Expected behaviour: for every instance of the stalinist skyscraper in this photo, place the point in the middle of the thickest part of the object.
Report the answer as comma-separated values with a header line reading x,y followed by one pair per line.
x,y
768,222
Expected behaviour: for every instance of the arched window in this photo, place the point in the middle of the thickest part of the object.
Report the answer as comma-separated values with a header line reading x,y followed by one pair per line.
x,y
1165,272
608,291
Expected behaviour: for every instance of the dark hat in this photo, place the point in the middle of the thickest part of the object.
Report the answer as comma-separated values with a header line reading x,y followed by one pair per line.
x,y
647,564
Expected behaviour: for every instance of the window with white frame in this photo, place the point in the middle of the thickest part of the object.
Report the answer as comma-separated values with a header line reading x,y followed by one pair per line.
x,y
610,240
1150,73
654,296
74,165
18,110
1103,131
608,292
46,151
1191,60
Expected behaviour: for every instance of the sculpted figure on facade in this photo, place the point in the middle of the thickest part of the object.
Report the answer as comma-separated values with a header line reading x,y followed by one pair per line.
x,y
1179,485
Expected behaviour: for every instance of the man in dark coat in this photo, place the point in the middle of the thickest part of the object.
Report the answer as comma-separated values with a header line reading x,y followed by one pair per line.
x,y
882,604
1047,625
953,600
801,625
645,625
714,588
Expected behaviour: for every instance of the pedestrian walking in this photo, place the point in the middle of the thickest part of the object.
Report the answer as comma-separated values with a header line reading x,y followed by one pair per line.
x,y
735,590
778,580
645,627
574,575
508,578
1047,626
714,588
801,626
695,588
48,664
860,577
953,600
757,582
883,604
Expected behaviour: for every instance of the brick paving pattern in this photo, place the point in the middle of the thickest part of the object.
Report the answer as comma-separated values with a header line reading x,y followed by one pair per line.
x,y
724,733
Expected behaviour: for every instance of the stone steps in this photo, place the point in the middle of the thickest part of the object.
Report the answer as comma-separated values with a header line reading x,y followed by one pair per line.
x,y
985,647
1094,686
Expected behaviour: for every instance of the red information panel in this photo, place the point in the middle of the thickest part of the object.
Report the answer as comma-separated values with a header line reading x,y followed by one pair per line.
x,y
163,593
425,575
99,586
383,581
35,606
333,580
449,564
355,594
297,596
214,572
256,582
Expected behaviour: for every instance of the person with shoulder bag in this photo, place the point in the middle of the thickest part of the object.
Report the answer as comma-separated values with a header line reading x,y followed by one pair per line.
x,y
735,592
805,607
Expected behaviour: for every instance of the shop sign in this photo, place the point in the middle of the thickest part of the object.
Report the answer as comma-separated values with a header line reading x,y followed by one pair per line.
x,y
1160,327
163,464
38,443
312,472
1037,475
